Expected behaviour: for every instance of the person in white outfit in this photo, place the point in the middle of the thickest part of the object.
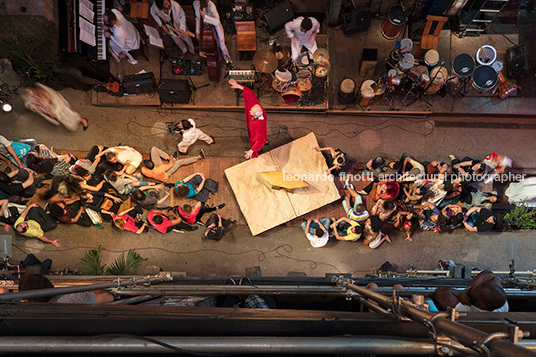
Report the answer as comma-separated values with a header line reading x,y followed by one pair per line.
x,y
302,32
190,134
169,12
122,34
208,13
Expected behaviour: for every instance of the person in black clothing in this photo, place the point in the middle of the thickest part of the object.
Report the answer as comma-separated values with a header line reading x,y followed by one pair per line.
x,y
479,219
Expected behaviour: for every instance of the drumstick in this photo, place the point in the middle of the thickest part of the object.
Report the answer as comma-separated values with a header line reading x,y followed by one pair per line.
x,y
417,63
486,58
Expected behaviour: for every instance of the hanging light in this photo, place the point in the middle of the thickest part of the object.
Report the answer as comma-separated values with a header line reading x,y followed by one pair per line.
x,y
6,107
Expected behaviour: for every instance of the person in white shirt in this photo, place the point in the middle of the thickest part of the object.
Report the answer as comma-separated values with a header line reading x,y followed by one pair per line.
x,y
190,134
207,11
317,231
302,32
170,13
122,34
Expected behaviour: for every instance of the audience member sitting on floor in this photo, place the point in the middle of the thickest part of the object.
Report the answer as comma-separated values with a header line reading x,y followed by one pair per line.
x,y
217,227
382,166
129,220
70,211
479,219
125,155
124,184
160,171
337,161
411,169
346,229
153,197
34,222
479,198
166,221
20,182
12,152
467,167
383,209
407,222
356,212
384,189
193,214
78,184
372,234
9,213
101,202
317,231
196,186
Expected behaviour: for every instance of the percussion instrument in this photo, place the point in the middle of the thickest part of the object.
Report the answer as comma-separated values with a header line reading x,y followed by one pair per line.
x,y
438,76
322,68
393,59
431,58
282,80
463,65
405,64
416,72
485,78
265,61
423,80
346,92
320,54
505,88
291,96
303,60
394,23
406,45
497,66
282,54
305,80
367,92
392,77
380,89
486,55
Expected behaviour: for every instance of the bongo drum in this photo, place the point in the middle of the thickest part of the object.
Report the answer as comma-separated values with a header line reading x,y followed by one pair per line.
x,y
394,23
291,96
488,56
431,58
485,78
505,88
406,45
367,92
438,76
346,93
463,65
304,79
282,80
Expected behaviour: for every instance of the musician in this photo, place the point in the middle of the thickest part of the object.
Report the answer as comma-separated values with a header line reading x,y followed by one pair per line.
x,y
122,34
255,118
302,33
170,16
206,11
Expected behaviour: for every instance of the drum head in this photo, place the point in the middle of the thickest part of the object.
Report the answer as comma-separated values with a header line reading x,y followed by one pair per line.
x,y
431,57
291,96
485,77
406,45
397,15
463,65
347,85
283,75
366,89
491,55
420,70
497,66
439,75
405,62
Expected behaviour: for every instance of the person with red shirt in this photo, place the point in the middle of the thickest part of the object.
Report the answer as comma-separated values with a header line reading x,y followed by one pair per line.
x,y
193,214
255,118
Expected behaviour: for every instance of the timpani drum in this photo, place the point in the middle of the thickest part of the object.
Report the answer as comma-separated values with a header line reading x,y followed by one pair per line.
x,y
438,76
346,92
485,78
486,55
431,58
394,23
405,64
305,80
463,65
282,80
367,92
406,45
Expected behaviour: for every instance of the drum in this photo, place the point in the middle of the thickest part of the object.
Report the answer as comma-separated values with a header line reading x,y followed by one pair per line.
x,y
406,45
497,66
486,55
424,80
485,78
392,60
394,23
438,76
346,92
431,58
282,80
291,96
463,65
367,92
416,72
505,88
405,64
305,80
392,77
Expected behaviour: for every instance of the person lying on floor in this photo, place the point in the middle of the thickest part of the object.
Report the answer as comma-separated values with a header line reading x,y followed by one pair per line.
x,y
196,186
34,222
166,221
160,171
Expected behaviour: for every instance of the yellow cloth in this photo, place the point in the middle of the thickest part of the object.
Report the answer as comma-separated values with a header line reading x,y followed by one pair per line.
x,y
278,179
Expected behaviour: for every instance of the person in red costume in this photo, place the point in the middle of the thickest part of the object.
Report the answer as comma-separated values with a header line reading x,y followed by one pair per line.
x,y
255,118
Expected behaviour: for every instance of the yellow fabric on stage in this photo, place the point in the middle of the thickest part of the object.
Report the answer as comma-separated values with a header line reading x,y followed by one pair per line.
x,y
278,179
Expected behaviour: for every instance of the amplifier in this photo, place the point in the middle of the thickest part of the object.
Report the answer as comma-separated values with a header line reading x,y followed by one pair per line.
x,y
242,75
517,63
139,83
278,16
174,91
355,21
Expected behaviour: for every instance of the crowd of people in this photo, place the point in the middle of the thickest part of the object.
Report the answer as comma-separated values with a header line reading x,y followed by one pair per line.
x,y
406,194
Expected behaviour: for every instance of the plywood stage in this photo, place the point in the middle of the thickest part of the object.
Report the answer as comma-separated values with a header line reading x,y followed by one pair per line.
x,y
265,208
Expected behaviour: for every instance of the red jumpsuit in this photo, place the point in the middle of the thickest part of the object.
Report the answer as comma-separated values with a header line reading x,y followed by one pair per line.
x,y
256,127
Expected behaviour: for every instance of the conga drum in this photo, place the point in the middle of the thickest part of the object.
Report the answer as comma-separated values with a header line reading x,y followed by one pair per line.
x,y
463,65
346,92
485,78
394,23
438,76
505,88
367,92
486,55
431,58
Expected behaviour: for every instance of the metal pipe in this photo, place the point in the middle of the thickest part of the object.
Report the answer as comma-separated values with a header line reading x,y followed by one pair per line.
x,y
257,345
29,294
370,305
134,300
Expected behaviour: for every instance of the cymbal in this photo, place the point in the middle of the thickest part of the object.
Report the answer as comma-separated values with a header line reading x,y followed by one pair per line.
x,y
323,67
320,53
282,54
265,61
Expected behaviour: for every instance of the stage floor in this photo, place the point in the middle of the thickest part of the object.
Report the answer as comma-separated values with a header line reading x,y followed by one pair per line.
x,y
265,208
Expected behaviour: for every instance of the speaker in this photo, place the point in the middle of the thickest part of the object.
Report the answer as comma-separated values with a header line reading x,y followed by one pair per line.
x,y
278,16
355,21
516,61
139,83
174,91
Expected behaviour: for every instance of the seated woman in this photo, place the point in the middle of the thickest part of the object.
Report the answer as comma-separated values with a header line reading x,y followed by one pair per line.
x,y
413,194
129,220
166,221
217,227
382,166
346,229
383,209
438,169
196,186
479,219
407,222
428,217
385,190
152,197
193,214
124,184
337,161
101,202
79,183
70,211
126,155
356,211
372,234
467,167
411,169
